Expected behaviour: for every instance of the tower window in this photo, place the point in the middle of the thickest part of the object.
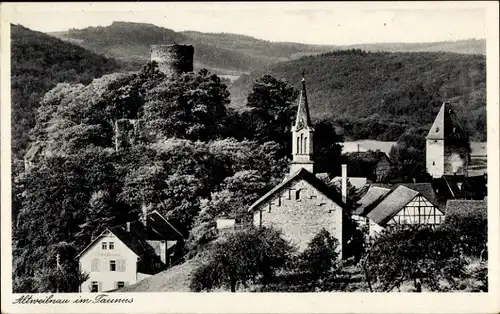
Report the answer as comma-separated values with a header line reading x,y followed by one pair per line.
x,y
433,163
298,144
297,194
437,129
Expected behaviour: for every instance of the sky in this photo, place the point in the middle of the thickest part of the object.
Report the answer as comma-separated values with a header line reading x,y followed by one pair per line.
x,y
329,23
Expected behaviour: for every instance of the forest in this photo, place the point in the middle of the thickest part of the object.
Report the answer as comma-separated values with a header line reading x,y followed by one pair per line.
x,y
379,95
38,63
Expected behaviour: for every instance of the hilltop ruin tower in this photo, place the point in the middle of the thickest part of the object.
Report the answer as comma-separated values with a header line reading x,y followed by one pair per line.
x,y
173,59
447,145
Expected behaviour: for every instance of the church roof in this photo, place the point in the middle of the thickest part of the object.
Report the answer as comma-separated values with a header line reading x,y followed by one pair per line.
x,y
303,118
311,179
445,125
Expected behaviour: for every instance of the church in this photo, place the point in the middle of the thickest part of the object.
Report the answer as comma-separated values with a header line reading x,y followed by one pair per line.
x,y
302,204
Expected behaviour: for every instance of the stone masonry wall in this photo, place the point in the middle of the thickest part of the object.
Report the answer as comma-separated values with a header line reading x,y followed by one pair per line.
x,y
173,59
301,219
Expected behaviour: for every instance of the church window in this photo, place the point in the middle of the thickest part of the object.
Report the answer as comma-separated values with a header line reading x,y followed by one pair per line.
x,y
297,194
298,144
301,143
305,145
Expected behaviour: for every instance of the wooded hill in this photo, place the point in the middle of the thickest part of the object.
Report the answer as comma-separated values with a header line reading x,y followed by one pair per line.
x,y
38,63
225,53
380,95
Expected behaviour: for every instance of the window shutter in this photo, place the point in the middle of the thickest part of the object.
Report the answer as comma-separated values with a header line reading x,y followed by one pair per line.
x,y
94,265
121,265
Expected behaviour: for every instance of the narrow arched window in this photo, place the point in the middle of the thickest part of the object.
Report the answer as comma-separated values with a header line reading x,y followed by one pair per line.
x,y
301,143
306,150
298,144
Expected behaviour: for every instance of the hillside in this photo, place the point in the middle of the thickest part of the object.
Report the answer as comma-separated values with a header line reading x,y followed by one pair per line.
x,y
225,53
38,63
379,95
221,53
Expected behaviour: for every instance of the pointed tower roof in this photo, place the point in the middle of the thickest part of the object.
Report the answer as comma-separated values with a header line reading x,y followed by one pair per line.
x,y
445,125
303,118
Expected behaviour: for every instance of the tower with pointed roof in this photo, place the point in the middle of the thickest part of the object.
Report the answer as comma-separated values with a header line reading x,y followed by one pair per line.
x,y
302,135
447,145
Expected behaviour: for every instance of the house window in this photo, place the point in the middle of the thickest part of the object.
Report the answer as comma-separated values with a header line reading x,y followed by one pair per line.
x,y
120,284
94,286
297,194
112,265
111,245
104,245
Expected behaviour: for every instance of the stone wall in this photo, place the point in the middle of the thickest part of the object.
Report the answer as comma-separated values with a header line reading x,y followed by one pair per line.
x,y
173,59
301,211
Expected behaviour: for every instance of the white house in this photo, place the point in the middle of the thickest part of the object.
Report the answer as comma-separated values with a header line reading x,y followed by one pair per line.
x,y
128,253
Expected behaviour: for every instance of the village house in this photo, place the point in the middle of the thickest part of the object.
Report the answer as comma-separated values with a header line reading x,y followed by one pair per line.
x,y
387,206
125,254
302,204
374,165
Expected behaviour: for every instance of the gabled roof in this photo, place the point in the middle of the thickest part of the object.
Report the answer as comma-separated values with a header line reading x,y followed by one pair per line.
x,y
445,125
163,227
425,188
467,208
311,179
392,204
371,199
460,186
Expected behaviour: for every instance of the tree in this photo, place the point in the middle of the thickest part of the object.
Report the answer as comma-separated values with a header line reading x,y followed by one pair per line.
x,y
408,157
273,109
420,255
252,255
319,259
191,106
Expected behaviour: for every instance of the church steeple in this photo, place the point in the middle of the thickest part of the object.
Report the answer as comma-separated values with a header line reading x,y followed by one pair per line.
x,y
302,135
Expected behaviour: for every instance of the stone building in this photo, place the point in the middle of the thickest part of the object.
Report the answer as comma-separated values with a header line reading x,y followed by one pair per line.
x,y
447,147
302,204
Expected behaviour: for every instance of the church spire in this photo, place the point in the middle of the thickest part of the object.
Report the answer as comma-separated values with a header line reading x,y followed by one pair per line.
x,y
303,118
302,135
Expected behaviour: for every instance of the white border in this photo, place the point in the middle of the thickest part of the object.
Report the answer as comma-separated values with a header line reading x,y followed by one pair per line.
x,y
271,302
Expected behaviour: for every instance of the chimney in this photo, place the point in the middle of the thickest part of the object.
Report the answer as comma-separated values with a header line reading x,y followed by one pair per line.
x,y
128,226
144,217
344,183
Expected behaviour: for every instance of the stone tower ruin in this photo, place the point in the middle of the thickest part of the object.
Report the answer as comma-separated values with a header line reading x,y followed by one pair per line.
x,y
173,59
